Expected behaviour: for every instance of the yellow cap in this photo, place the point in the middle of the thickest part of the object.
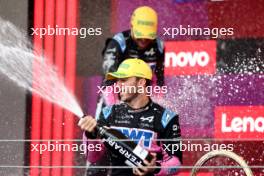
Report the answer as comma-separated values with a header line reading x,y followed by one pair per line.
x,y
130,68
144,22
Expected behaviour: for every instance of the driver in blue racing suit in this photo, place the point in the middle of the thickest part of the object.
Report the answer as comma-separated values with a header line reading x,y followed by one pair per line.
x,y
153,127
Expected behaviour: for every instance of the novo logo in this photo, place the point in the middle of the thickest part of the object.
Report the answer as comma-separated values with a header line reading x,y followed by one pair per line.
x,y
239,122
183,59
190,57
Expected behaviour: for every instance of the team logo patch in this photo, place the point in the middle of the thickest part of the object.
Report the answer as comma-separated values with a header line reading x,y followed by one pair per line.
x,y
137,135
166,117
149,119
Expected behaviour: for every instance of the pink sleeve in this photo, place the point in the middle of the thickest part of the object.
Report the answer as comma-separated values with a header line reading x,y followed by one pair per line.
x,y
93,156
169,166
167,161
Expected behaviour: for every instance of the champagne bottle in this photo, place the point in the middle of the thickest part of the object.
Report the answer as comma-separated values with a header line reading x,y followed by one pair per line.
x,y
132,154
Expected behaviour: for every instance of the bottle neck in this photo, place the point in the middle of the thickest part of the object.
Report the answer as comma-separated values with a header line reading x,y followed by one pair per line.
x,y
100,130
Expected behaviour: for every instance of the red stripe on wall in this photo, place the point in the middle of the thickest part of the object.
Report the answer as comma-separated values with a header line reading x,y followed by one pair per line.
x,y
45,123
59,61
36,101
47,106
71,15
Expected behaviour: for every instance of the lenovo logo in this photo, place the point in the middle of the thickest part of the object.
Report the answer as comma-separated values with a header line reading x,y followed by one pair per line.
x,y
239,122
190,58
184,59
242,124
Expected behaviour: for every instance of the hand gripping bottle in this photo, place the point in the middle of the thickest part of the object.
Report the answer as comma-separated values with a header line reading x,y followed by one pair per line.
x,y
132,154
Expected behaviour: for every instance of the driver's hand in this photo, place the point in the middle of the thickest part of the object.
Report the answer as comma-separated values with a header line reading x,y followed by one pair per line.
x,y
87,123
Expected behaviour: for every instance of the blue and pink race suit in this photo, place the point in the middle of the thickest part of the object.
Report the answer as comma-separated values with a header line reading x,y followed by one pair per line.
x,y
152,127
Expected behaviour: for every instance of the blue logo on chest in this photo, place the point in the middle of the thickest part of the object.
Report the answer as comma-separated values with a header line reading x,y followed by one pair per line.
x,y
137,134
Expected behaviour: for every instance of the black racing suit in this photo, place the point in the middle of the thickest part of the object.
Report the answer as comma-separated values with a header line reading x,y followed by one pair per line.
x,y
144,126
122,47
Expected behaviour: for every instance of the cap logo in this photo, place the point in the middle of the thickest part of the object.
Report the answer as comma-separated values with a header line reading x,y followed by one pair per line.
x,y
124,66
137,33
153,35
145,23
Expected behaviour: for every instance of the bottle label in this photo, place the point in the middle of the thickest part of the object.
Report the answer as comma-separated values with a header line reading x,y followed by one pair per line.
x,y
133,158
140,152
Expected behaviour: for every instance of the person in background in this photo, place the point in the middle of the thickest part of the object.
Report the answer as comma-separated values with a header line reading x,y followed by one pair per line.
x,y
140,41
